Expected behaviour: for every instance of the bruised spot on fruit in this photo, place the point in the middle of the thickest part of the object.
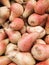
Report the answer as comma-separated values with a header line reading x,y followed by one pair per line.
x,y
38,50
32,22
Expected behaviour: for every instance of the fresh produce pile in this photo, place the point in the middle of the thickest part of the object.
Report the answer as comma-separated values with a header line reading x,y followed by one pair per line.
x,y
24,32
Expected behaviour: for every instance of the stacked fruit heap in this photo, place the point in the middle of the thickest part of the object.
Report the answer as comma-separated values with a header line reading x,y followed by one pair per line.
x,y
24,32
